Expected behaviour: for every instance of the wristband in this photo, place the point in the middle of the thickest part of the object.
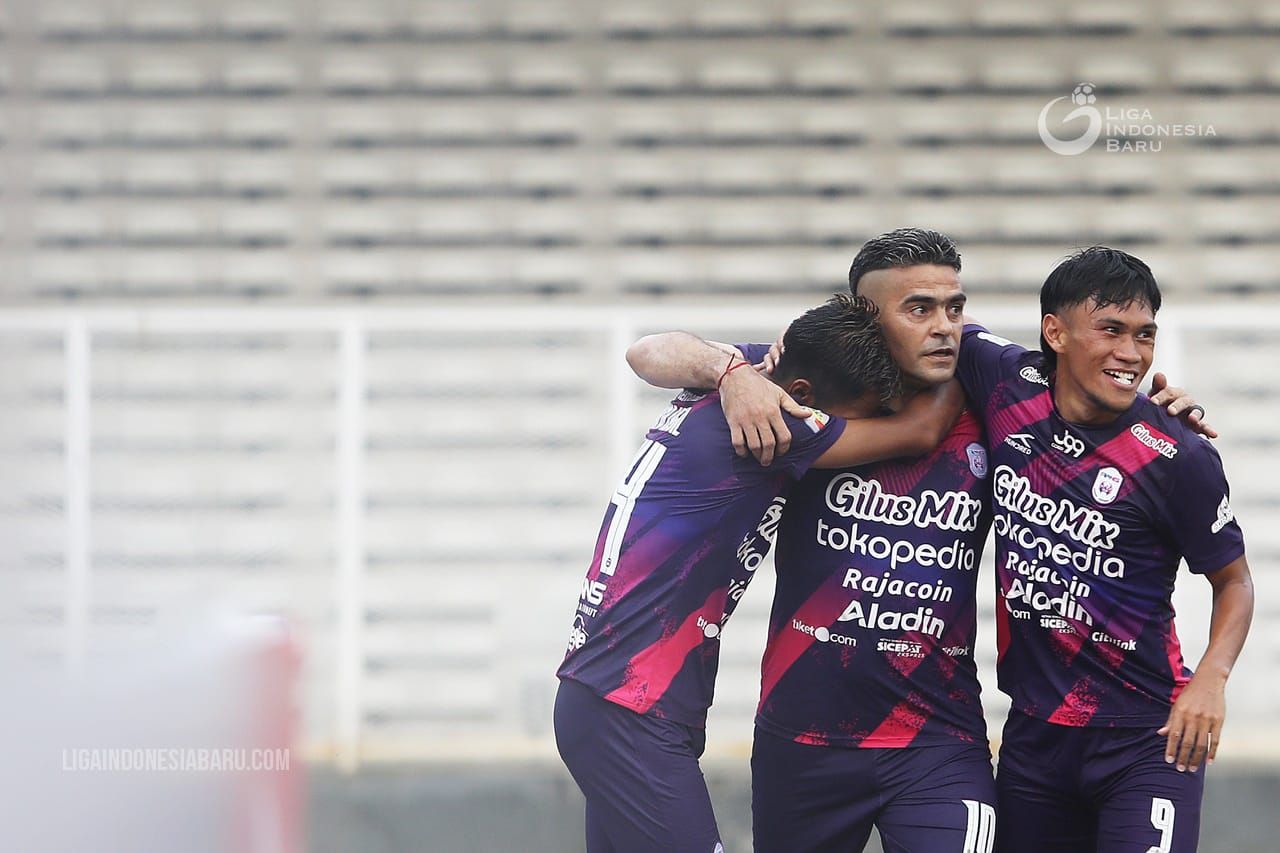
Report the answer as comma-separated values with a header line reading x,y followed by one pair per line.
x,y
729,368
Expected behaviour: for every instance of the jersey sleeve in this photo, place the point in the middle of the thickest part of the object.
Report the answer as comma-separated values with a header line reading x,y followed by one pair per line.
x,y
985,359
753,353
1201,520
810,438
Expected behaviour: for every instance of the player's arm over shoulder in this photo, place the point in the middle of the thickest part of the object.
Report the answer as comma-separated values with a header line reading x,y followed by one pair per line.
x,y
680,360
917,429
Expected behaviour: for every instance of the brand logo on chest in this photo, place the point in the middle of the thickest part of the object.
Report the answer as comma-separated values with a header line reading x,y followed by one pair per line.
x,y
1068,444
1020,441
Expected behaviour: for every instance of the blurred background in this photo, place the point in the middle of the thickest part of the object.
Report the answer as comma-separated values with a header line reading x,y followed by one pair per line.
x,y
315,312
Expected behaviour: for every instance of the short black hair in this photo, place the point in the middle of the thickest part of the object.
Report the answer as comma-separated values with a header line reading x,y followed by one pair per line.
x,y
1107,276
840,349
904,247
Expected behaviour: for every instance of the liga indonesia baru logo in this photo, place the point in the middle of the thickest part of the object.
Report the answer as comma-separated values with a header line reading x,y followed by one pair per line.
x,y
1125,130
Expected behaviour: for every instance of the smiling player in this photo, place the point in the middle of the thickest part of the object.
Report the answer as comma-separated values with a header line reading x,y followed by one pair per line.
x,y
1098,494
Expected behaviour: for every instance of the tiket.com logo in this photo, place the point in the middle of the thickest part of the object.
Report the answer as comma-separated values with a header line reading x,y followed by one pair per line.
x,y
1126,129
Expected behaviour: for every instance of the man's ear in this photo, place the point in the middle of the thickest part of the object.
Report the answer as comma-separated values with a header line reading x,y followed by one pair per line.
x,y
1053,330
801,390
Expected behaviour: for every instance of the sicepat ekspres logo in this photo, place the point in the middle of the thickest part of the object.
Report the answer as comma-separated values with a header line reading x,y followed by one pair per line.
x,y
1124,129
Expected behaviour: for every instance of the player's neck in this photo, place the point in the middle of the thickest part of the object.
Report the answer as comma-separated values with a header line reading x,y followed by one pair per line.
x,y
1077,407
866,406
895,404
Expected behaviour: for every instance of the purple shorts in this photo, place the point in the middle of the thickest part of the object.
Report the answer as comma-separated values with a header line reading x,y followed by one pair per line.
x,y
640,775
1092,790
815,799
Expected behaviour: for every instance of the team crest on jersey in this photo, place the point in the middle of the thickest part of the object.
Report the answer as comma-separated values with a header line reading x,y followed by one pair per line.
x,y
977,460
818,420
1106,488
1226,515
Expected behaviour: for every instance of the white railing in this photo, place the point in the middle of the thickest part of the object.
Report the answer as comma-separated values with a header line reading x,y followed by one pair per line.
x,y
351,328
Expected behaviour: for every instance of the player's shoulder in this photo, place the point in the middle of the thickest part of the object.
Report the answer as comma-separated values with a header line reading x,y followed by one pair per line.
x,y
1169,436
1029,364
690,396
813,434
815,423
691,412
985,337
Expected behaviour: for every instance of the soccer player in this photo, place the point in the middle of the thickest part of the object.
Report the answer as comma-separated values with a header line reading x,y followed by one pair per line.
x,y
1098,494
683,535
869,712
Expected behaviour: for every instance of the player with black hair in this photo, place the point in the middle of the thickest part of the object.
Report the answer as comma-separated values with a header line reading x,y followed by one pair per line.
x,y
870,713
1098,494
879,722
679,543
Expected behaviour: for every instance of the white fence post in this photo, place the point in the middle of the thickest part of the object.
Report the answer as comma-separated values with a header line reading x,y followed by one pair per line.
x,y
622,397
1171,349
350,499
76,458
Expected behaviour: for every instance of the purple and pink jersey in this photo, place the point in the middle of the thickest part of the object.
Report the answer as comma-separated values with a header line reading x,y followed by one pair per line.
x,y
680,541
874,618
1090,525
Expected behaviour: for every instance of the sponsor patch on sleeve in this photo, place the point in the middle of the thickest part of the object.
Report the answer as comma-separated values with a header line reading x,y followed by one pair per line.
x,y
818,420
1226,515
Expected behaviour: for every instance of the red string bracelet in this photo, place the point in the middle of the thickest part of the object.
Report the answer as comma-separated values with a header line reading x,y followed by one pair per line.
x,y
729,369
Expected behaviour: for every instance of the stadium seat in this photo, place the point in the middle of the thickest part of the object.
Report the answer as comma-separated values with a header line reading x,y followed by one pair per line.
x,y
1194,19
923,19
355,22
1026,19
1212,73
65,75
256,20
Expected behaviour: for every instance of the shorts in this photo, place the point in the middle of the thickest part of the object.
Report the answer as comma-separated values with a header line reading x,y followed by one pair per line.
x,y
814,799
640,775
1092,790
